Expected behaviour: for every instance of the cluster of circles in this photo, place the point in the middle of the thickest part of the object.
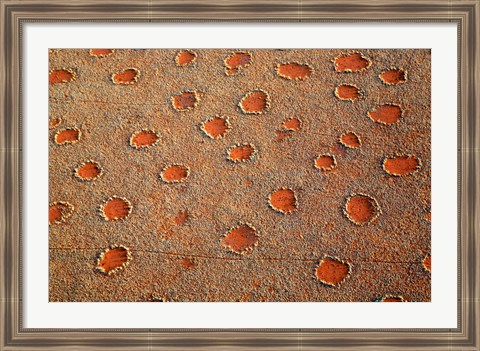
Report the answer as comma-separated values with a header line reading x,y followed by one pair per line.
x,y
361,209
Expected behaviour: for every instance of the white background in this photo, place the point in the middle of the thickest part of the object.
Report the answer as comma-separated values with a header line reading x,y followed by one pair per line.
x,y
440,313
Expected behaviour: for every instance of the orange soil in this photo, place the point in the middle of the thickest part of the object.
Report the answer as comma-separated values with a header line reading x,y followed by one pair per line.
x,y
126,77
241,152
325,162
101,52
215,127
393,76
54,122
116,208
112,259
351,63
361,209
294,71
184,58
144,138
236,61
90,170
428,216
185,101
67,136
283,200
188,263
387,114
401,165
60,76
350,139
181,217
254,102
427,263
331,271
393,299
174,173
241,239
347,92
292,124
58,212
280,135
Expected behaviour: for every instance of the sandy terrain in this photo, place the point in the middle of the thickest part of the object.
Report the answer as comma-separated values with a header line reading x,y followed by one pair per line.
x,y
239,175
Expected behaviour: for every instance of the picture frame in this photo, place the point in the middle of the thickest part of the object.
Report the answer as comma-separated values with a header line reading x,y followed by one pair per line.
x,y
16,14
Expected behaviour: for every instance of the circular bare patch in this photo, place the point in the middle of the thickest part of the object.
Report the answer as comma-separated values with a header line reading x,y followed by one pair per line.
x,y
237,61
101,52
216,127
427,263
391,298
283,200
144,139
89,170
325,162
393,76
175,173
54,122
128,76
386,114
361,209
255,102
67,136
116,208
185,58
401,165
354,62
241,152
113,259
241,239
185,101
293,124
59,212
332,271
350,140
63,75
294,70
347,92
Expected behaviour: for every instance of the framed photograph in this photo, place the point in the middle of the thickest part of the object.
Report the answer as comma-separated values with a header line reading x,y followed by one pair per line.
x,y
239,175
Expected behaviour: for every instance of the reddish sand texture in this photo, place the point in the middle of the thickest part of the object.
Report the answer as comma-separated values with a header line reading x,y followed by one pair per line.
x,y
325,162
332,271
239,175
113,259
386,114
59,212
67,136
61,76
241,239
116,208
215,127
350,139
185,101
128,76
255,102
89,171
361,209
174,173
283,200
401,165
393,76
347,92
294,71
351,63
292,124
101,52
237,61
186,57
144,138
241,153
